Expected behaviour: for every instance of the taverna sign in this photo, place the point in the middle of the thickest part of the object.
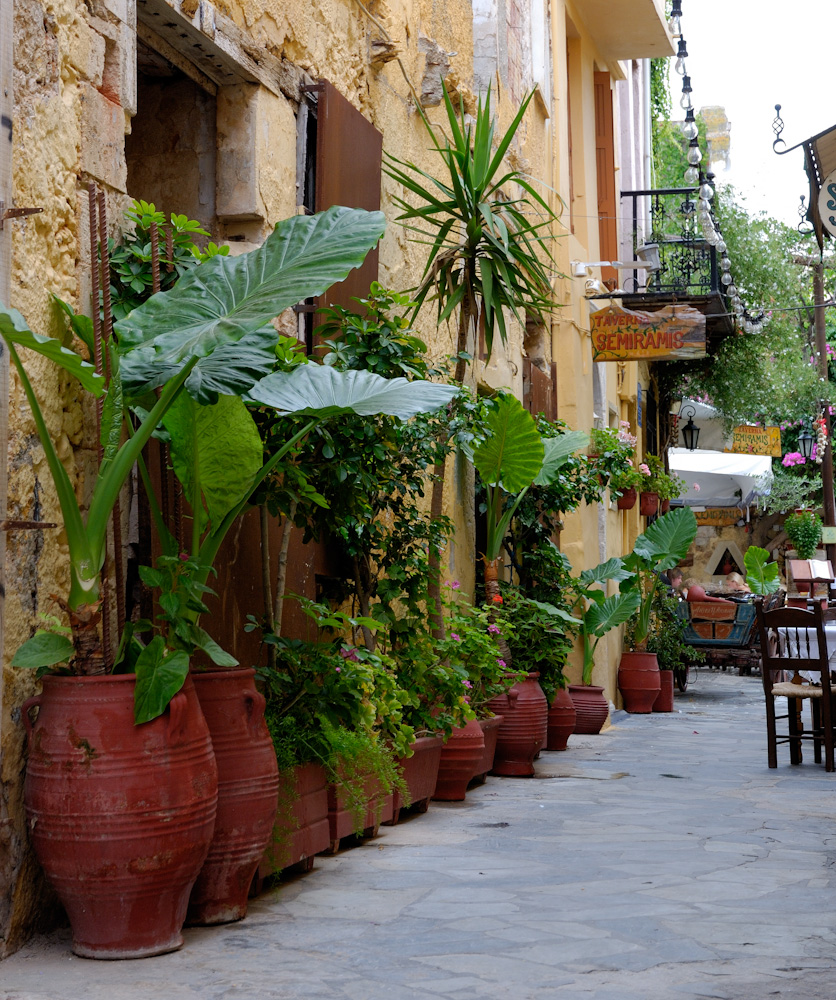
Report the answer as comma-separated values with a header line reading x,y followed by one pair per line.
x,y
673,333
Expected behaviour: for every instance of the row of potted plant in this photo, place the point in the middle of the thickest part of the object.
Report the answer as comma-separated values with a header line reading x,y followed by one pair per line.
x,y
614,450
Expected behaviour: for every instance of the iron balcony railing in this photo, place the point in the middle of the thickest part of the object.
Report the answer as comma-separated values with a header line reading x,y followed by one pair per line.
x,y
667,217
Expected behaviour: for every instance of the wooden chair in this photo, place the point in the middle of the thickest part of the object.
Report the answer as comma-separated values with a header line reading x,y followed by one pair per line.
x,y
794,640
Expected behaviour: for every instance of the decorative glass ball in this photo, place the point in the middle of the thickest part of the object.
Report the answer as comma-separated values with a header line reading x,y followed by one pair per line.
x,y
694,155
692,175
726,278
706,191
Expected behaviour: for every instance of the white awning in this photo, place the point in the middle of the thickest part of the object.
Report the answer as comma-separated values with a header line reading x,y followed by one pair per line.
x,y
720,479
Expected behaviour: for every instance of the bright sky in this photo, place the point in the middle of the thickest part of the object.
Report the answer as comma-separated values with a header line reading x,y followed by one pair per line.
x,y
748,56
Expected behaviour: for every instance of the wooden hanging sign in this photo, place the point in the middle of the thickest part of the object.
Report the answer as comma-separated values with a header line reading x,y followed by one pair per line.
x,y
673,333
749,440
718,517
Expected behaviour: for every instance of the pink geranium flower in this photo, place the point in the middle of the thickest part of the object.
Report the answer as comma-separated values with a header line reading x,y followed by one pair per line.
x,y
644,469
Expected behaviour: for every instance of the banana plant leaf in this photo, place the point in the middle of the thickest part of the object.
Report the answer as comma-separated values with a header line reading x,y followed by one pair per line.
x,y
231,370
14,330
319,390
512,454
227,297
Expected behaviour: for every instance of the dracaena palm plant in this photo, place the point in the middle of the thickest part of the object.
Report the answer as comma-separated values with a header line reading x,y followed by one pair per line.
x,y
488,232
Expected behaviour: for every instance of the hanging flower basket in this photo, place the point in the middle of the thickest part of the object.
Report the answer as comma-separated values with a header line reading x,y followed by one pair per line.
x,y
627,500
649,504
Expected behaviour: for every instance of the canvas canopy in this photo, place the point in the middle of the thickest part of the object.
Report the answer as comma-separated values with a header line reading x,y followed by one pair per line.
x,y
720,479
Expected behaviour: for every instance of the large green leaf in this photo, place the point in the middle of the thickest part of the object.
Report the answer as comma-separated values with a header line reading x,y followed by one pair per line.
x,y
320,390
512,453
159,676
227,297
230,370
613,569
614,611
556,452
14,330
761,575
555,612
44,649
215,450
667,540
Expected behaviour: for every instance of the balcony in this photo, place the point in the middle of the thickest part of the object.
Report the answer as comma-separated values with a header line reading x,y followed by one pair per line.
x,y
627,29
688,271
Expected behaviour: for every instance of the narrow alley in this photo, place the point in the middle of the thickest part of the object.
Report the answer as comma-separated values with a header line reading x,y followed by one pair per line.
x,y
661,859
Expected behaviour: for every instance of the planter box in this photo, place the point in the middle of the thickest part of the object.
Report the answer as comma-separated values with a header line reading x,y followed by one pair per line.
x,y
490,729
341,823
302,829
420,772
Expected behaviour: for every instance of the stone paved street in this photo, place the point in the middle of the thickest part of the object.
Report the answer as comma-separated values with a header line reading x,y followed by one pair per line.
x,y
661,859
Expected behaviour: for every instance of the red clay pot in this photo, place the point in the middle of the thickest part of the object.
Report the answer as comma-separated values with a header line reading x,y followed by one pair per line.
x,y
459,759
248,790
420,773
120,816
562,719
627,500
490,730
523,731
664,700
664,507
638,681
648,504
591,708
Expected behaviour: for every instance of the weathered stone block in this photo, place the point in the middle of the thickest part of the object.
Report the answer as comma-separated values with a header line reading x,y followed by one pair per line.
x,y
237,197
102,138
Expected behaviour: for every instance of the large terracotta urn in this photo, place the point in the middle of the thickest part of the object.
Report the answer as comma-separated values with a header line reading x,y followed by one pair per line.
x,y
638,681
121,816
591,708
460,756
522,734
562,720
664,700
248,790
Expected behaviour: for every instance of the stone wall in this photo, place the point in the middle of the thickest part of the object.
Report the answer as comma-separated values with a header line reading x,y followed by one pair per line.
x,y
214,138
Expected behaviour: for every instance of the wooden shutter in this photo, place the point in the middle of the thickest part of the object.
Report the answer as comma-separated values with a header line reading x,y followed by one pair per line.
x,y
605,170
349,151
538,391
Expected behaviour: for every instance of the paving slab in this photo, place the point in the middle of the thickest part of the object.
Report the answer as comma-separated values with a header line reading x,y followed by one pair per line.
x,y
661,860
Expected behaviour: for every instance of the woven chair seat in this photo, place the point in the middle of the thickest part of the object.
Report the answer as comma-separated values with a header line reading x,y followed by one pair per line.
x,y
789,690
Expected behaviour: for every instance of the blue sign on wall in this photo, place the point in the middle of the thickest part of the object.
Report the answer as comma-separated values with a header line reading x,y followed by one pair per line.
x,y
639,406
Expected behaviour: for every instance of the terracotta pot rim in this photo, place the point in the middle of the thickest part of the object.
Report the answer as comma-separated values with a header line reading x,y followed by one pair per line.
x,y
87,678
221,673
586,687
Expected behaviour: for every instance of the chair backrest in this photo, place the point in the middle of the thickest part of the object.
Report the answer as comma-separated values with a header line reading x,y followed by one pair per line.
x,y
793,639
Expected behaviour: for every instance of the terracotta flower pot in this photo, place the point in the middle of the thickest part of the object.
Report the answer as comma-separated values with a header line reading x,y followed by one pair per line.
x,y
591,708
490,730
638,681
627,500
120,816
459,759
664,700
562,719
522,734
664,506
420,774
248,790
649,504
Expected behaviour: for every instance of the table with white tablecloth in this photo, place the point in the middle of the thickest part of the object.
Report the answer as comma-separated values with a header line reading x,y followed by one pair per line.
x,y
791,637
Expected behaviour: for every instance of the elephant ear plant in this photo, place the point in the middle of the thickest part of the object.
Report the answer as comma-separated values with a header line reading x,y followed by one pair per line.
x,y
510,459
598,613
762,576
215,449
660,548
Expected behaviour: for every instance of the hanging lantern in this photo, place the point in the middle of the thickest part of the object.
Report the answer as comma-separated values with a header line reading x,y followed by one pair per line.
x,y
690,432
